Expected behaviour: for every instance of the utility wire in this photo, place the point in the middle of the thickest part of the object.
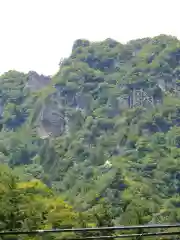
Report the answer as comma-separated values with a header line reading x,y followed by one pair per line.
x,y
116,228
128,235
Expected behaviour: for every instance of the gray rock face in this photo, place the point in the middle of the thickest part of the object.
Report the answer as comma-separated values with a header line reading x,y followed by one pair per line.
x,y
36,82
52,118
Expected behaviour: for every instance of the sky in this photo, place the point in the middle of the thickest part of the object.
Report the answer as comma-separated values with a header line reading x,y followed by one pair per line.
x,y
36,34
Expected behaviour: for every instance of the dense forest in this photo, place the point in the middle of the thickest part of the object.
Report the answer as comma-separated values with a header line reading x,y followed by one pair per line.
x,y
96,144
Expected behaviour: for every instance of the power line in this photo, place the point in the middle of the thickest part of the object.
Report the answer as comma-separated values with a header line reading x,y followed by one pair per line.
x,y
128,235
116,228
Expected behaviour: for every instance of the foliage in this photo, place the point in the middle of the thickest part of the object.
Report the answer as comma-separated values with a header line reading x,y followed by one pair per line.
x,y
32,205
114,146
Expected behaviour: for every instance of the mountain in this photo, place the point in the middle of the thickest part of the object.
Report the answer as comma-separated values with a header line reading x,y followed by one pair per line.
x,y
29,206
105,126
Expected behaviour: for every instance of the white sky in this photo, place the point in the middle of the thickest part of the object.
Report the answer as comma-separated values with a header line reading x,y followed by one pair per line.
x,y
35,34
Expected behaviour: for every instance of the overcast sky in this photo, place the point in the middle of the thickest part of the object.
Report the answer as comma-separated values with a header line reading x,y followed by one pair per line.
x,y
35,34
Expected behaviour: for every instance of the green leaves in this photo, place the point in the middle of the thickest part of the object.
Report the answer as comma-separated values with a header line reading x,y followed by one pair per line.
x,y
93,95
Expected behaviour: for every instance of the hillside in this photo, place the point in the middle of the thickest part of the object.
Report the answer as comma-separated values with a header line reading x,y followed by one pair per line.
x,y
28,206
105,126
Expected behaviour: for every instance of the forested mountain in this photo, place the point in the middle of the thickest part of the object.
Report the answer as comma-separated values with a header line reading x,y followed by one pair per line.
x,y
28,206
105,127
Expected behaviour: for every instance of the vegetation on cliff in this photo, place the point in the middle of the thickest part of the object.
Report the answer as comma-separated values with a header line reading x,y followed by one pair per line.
x,y
106,126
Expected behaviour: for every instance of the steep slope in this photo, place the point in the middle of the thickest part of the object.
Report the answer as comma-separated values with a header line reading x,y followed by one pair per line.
x,y
28,206
105,126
